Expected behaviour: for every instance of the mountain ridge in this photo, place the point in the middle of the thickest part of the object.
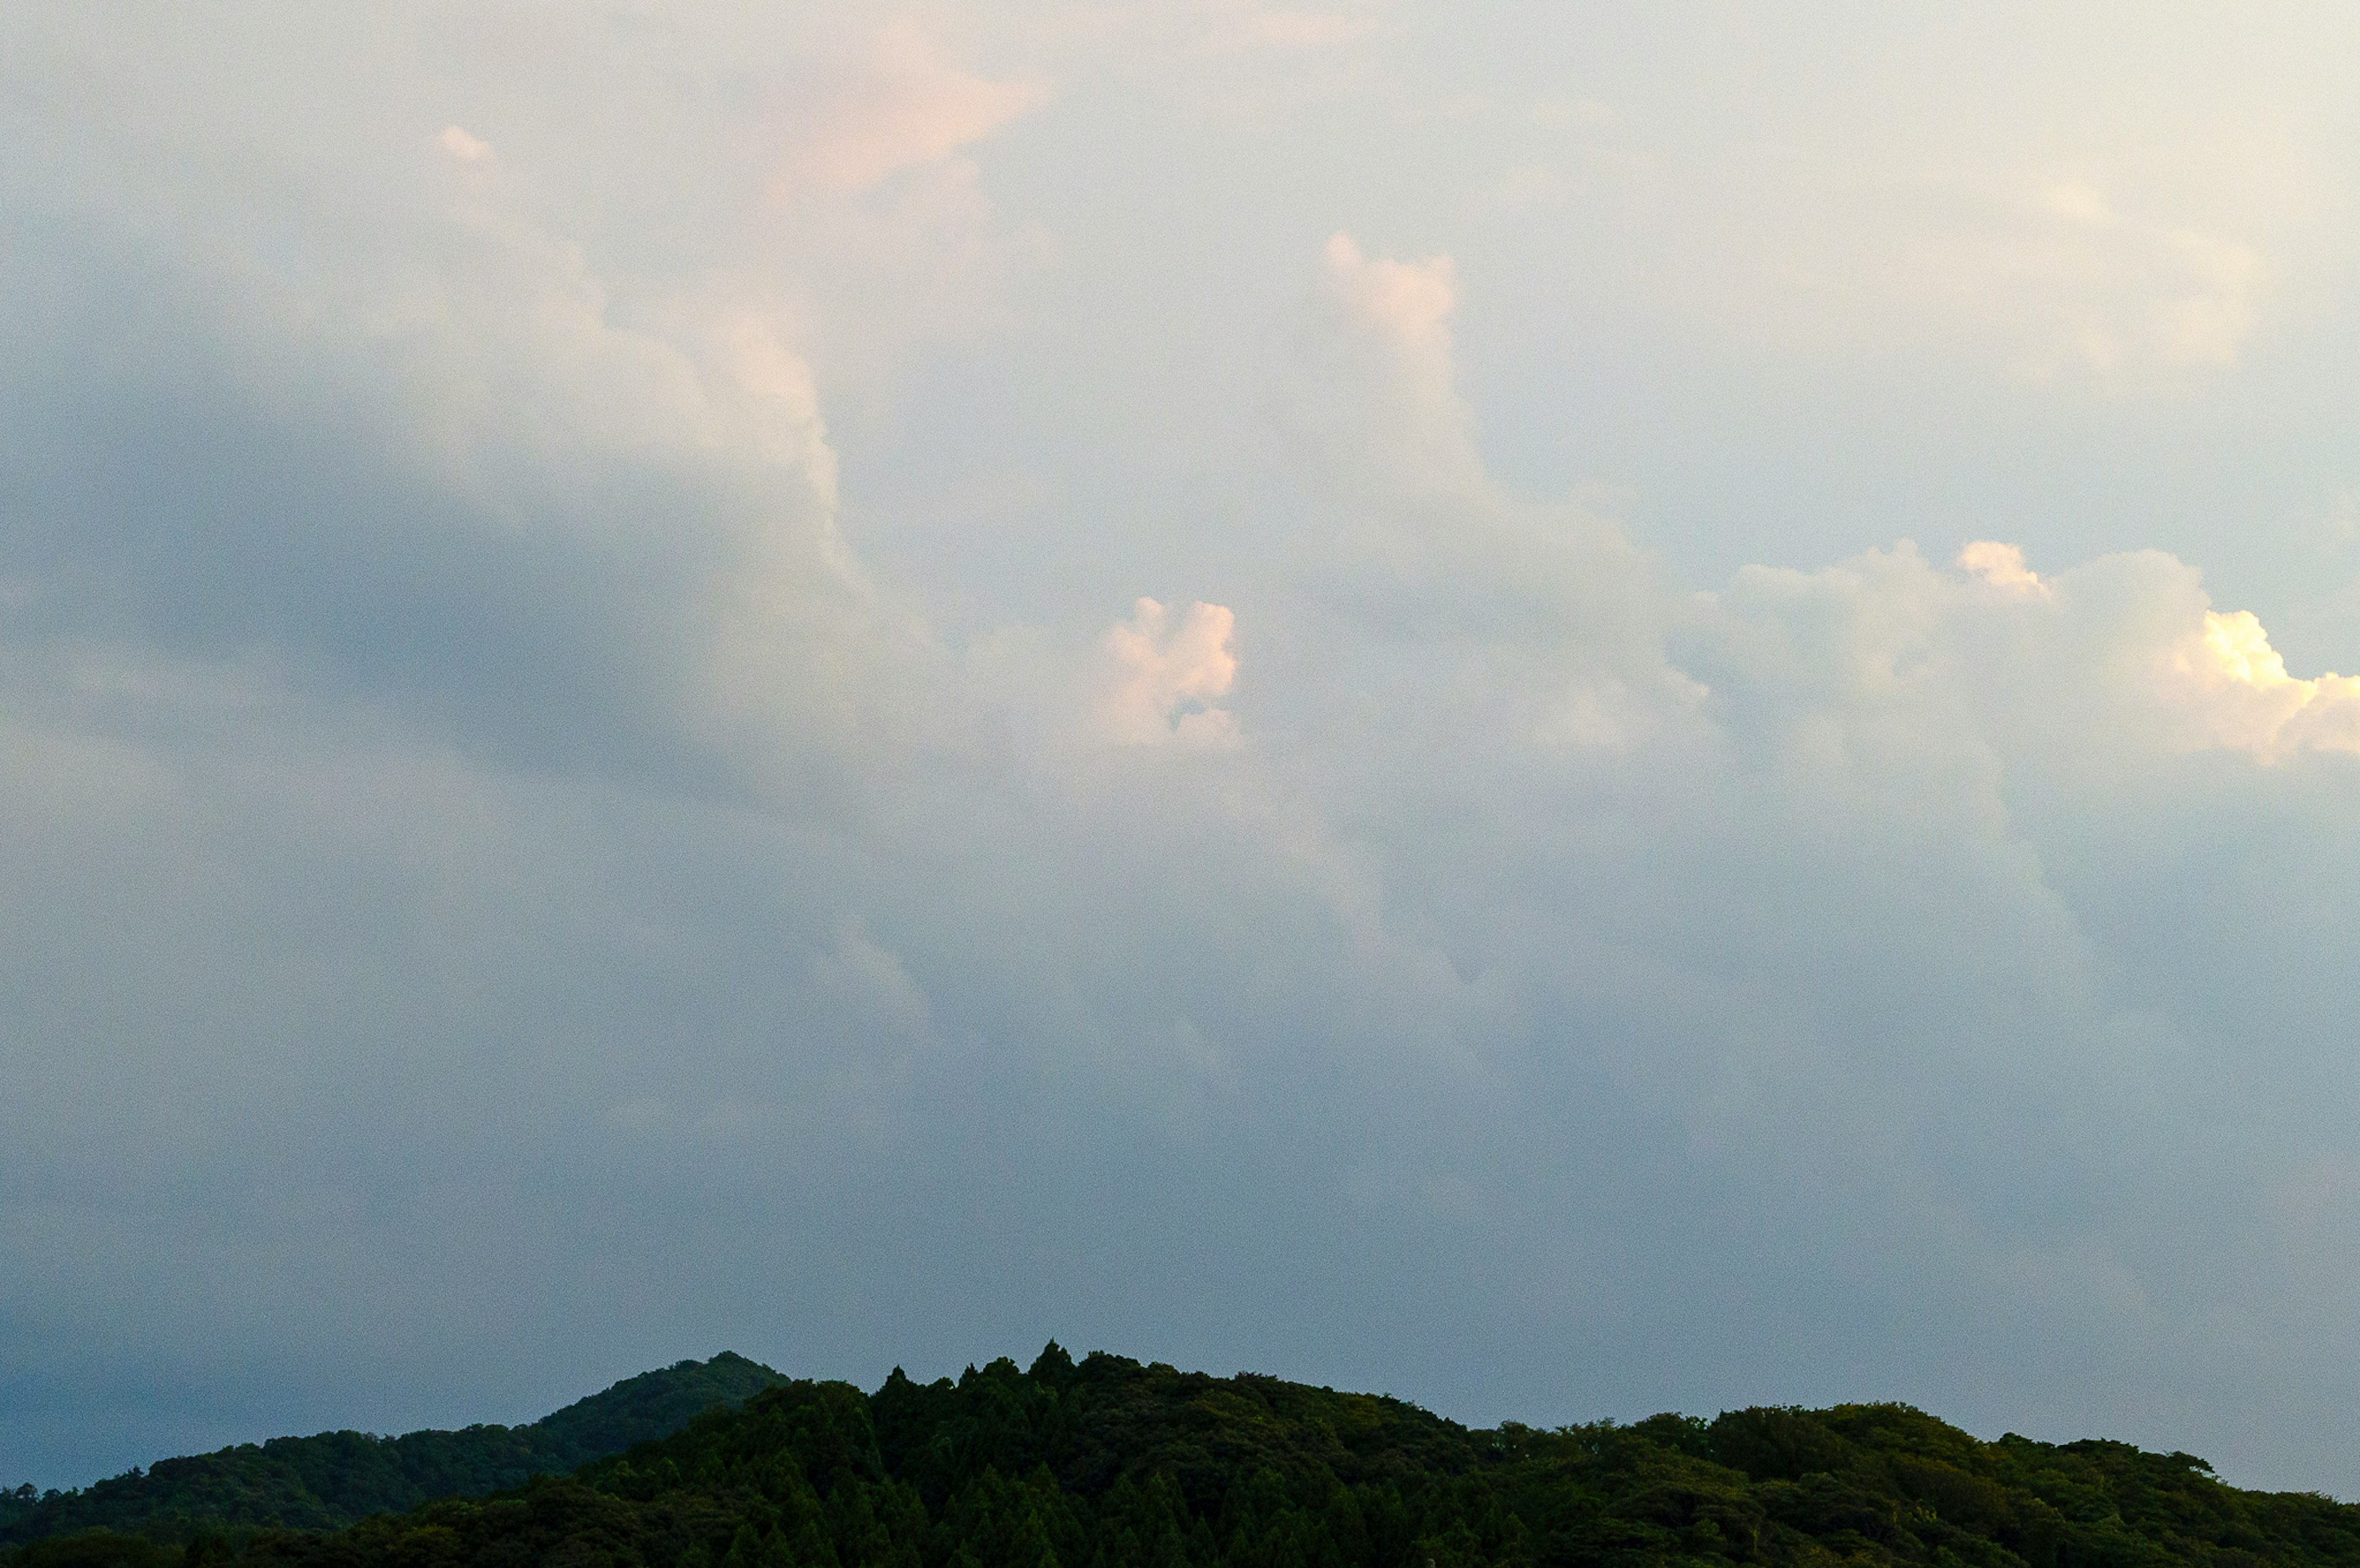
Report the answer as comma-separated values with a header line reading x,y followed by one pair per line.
x,y
1106,1463
331,1479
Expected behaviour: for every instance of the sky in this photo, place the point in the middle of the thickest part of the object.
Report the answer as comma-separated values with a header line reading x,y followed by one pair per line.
x,y
1566,711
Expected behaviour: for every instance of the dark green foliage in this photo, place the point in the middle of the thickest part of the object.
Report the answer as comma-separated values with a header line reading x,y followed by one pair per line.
x,y
339,1477
651,1405
1108,1463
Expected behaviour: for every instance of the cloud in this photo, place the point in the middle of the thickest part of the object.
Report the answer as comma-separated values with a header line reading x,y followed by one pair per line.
x,y
1168,672
448,465
2121,656
1377,402
463,146
873,984
477,837
2238,694
2002,566
2112,294
1241,26
1379,430
1409,301
896,107
2139,278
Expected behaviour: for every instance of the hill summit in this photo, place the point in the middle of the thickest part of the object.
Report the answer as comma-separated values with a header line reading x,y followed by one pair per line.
x,y
336,1478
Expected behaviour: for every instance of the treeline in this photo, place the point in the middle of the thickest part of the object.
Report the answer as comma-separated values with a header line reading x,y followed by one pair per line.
x,y
1108,1464
336,1478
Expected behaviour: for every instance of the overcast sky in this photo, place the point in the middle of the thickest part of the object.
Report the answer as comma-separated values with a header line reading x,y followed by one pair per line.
x,y
1564,710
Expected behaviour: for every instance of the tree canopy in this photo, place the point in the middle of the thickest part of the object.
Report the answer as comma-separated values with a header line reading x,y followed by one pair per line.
x,y
336,1478
1109,1463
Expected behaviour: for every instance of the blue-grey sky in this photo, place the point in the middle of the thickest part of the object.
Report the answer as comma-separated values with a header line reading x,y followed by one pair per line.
x,y
1564,710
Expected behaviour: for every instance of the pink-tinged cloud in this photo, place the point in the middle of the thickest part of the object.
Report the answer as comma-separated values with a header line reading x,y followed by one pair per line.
x,y
1168,669
1410,300
900,107
463,146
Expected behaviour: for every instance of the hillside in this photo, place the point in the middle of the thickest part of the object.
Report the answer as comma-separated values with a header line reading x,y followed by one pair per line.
x,y
1108,1463
335,1478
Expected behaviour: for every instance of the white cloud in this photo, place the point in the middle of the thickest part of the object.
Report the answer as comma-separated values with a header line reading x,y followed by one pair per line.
x,y
2111,295
2142,278
2055,280
1168,671
2236,691
2002,566
897,106
2121,656
463,146
1430,543
1409,301
1377,404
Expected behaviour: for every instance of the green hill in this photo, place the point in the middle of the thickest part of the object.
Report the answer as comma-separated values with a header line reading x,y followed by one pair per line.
x,y
1108,1464
337,1478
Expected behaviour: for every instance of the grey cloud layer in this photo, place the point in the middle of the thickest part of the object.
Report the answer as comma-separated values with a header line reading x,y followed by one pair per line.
x,y
497,895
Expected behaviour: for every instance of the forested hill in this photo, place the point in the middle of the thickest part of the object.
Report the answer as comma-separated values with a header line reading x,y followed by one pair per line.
x,y
1108,1464
336,1478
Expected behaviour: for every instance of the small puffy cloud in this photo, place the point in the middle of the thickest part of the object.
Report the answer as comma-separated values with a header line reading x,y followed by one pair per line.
x,y
1168,670
1411,301
2002,566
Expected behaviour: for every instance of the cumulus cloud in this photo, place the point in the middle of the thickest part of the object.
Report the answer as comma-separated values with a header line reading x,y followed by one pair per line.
x,y
2002,566
1432,548
2123,656
2236,692
448,463
896,106
1168,671
1389,345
